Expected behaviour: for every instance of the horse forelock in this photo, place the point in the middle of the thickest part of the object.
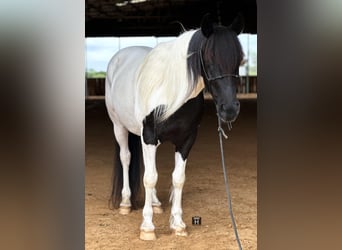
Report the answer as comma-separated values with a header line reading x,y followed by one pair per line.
x,y
221,49
225,49
164,82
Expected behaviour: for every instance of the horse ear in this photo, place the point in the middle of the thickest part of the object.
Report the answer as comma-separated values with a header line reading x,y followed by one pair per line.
x,y
238,24
207,26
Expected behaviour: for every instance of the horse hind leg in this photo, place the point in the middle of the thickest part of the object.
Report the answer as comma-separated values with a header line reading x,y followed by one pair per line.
x,y
121,135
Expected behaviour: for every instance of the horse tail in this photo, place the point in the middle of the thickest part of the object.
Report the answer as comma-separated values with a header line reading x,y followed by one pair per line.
x,y
134,146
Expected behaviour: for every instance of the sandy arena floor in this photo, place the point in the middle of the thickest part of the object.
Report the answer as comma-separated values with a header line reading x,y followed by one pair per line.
x,y
203,195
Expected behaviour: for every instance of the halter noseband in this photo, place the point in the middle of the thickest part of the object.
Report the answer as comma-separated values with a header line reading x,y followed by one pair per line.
x,y
215,77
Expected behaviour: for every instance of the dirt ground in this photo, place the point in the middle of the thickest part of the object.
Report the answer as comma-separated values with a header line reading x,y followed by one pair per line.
x,y
204,190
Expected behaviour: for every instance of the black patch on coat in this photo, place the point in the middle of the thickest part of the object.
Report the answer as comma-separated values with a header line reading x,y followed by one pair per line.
x,y
180,128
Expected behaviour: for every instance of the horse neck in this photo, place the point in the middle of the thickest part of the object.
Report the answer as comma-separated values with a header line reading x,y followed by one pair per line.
x,y
164,78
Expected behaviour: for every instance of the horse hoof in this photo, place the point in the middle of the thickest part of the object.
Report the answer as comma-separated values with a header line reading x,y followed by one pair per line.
x,y
181,232
157,209
124,210
147,235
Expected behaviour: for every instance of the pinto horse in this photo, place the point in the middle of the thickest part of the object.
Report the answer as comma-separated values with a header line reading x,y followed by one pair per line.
x,y
156,95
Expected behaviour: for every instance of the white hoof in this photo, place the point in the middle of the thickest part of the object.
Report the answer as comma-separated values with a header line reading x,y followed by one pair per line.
x,y
157,209
181,232
147,235
124,210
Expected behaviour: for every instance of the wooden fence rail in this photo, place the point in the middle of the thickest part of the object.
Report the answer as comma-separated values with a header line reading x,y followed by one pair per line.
x,y
95,88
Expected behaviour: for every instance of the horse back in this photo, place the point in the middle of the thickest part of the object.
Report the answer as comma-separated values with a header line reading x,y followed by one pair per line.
x,y
120,92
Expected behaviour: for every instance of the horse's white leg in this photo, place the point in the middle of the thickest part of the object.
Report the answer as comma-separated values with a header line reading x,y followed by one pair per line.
x,y
150,180
178,179
121,135
156,204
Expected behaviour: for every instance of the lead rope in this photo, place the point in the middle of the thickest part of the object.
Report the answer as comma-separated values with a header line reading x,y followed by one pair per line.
x,y
221,133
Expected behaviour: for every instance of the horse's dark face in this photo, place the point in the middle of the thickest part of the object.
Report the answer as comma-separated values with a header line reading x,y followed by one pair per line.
x,y
221,56
223,92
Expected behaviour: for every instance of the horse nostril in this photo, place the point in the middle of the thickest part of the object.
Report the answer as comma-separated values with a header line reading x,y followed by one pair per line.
x,y
235,105
224,107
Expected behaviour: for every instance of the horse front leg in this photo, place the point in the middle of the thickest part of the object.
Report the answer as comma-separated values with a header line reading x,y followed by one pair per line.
x,y
156,204
150,180
178,178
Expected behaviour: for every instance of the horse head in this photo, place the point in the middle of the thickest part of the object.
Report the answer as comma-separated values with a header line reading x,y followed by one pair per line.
x,y
220,57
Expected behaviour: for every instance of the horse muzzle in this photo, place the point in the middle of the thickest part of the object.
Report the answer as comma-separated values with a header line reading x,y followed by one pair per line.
x,y
228,113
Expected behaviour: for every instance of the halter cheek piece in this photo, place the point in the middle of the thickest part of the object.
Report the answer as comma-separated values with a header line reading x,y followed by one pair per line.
x,y
215,77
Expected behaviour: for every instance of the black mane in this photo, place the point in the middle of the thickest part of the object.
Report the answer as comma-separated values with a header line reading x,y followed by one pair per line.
x,y
194,63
